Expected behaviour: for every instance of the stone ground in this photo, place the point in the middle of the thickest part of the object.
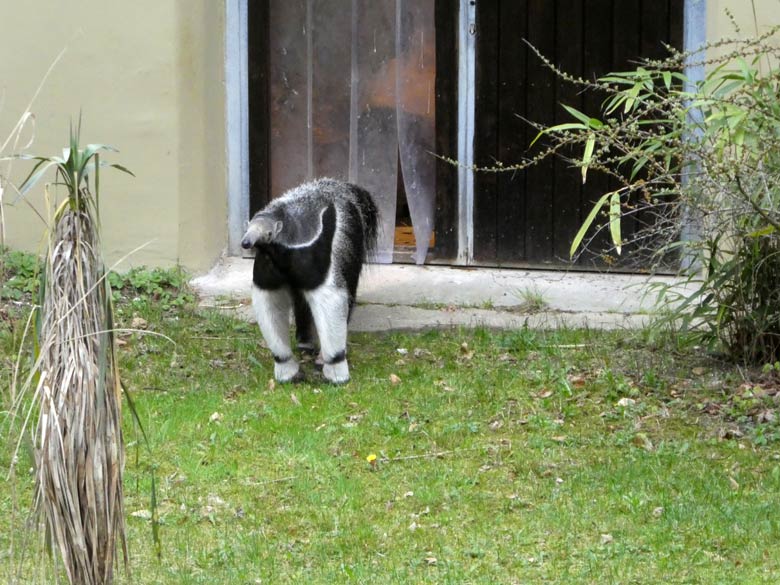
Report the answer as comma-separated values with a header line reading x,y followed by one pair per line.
x,y
406,297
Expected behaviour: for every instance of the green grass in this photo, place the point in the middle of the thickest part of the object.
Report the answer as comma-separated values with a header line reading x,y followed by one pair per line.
x,y
516,457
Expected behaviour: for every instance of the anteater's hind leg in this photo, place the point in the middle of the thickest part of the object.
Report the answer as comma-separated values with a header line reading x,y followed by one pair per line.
x,y
272,310
330,307
305,333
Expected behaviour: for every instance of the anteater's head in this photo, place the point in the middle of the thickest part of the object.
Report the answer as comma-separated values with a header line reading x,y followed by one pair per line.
x,y
261,229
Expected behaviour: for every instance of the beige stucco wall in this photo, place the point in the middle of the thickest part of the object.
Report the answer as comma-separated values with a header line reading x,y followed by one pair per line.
x,y
719,25
149,79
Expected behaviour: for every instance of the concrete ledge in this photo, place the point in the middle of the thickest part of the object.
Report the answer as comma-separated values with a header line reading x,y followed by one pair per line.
x,y
405,297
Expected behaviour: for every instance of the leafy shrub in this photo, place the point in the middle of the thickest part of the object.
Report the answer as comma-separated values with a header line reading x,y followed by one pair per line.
x,y
19,274
20,278
166,286
698,168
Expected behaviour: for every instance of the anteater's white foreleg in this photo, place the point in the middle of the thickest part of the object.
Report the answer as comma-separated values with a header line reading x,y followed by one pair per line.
x,y
272,310
330,307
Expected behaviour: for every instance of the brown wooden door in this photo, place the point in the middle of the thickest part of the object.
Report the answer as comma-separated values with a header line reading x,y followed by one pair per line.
x,y
529,218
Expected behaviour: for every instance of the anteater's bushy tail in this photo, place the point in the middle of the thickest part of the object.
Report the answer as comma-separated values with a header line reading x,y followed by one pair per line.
x,y
369,215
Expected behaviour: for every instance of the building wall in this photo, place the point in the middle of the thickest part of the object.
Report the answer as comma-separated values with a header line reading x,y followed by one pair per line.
x,y
719,25
148,79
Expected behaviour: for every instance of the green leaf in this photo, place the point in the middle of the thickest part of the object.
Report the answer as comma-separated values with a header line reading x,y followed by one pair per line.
x,y
766,231
587,156
589,122
587,223
550,130
614,220
38,171
585,119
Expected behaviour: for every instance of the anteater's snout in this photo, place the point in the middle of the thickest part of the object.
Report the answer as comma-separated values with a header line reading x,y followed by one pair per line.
x,y
246,243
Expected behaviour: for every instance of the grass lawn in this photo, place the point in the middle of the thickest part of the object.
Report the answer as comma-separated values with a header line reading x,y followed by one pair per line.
x,y
510,457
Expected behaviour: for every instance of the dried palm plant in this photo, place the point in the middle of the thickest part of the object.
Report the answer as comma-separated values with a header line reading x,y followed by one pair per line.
x,y
78,447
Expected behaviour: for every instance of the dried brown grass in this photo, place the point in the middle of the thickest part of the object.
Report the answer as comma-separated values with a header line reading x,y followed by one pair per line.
x,y
78,443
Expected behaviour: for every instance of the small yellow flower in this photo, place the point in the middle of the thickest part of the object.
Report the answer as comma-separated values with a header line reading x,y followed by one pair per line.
x,y
371,459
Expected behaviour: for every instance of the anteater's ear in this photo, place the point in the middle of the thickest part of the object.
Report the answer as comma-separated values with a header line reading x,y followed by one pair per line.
x,y
278,225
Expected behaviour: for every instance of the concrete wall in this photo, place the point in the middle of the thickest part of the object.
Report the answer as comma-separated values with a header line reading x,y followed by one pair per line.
x,y
149,79
719,25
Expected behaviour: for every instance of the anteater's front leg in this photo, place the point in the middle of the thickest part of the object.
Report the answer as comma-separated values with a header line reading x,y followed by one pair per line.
x,y
272,310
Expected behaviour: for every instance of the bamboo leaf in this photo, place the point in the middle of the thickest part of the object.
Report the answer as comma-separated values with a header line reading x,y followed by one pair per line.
x,y
614,221
587,223
587,156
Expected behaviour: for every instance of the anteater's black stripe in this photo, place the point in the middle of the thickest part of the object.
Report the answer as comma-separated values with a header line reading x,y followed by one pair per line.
x,y
281,360
337,359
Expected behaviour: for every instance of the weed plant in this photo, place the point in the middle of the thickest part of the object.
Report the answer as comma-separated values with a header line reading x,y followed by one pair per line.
x,y
697,169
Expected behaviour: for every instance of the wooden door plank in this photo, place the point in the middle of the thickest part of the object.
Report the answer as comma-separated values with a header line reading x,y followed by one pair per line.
x,y
540,179
567,198
513,130
627,34
446,226
598,47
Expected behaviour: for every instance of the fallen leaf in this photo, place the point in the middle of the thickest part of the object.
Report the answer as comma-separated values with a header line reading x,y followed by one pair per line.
x,y
215,501
658,512
642,441
713,556
142,514
545,394
402,351
294,399
626,402
496,424
431,561
138,323
215,417
421,353
733,483
394,379
271,385
698,371
607,539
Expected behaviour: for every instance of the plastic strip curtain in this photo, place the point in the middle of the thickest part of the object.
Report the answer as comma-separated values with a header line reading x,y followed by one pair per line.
x,y
415,105
352,94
